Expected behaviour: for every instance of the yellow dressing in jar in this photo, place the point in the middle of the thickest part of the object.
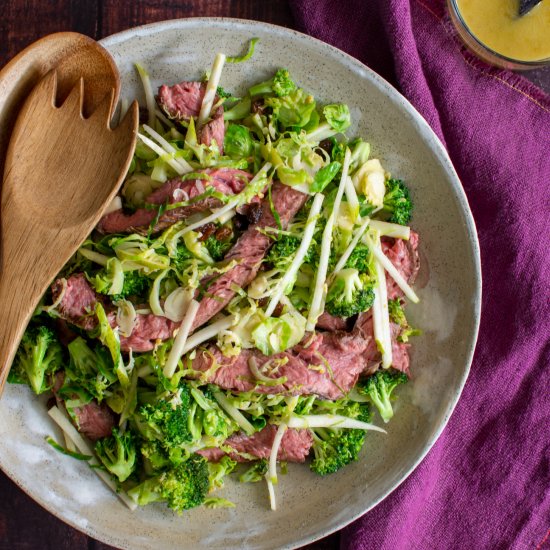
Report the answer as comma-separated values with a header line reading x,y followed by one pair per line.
x,y
497,25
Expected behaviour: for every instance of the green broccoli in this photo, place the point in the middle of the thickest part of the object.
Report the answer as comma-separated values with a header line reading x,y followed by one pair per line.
x,y
135,284
212,419
280,85
350,293
397,315
334,448
38,357
397,202
361,259
379,388
92,370
181,487
118,454
217,248
167,420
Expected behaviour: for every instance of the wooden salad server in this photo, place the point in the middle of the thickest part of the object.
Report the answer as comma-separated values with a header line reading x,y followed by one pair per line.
x,y
73,55
61,171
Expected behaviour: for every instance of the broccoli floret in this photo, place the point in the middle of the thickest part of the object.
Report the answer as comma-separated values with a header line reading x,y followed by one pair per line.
x,y
92,370
135,284
280,85
118,454
397,315
181,487
217,248
211,419
167,420
255,473
379,388
218,470
337,447
350,293
284,248
397,202
39,356
360,259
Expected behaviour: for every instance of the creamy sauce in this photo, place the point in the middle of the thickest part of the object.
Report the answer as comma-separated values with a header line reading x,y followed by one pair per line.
x,y
496,24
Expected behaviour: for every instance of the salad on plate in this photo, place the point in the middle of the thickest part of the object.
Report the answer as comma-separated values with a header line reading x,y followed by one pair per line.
x,y
240,305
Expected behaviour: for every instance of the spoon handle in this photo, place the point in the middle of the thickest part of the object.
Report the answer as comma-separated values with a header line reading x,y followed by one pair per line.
x,y
15,312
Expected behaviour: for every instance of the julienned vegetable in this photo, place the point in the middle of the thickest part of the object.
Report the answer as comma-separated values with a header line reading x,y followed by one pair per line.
x,y
248,307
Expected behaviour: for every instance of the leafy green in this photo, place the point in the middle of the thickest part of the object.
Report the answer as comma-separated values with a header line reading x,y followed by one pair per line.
x,y
338,116
238,142
293,109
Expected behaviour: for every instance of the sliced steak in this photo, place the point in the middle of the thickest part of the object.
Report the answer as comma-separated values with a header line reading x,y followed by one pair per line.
x,y
92,420
228,181
80,299
78,302
404,256
295,446
183,101
331,323
249,252
328,367
95,421
400,351
147,331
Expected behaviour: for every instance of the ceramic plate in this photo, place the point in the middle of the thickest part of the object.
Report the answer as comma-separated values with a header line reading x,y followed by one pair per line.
x,y
310,507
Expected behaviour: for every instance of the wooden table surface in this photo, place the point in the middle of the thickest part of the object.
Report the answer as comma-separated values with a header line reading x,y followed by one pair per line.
x,y
23,523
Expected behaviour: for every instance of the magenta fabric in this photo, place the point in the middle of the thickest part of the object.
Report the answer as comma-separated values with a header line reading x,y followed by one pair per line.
x,y
486,482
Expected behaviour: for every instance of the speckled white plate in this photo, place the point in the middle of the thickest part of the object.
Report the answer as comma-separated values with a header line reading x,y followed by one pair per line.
x,y
309,506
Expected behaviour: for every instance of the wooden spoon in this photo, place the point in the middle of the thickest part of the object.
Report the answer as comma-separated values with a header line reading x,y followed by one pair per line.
x,y
61,172
74,55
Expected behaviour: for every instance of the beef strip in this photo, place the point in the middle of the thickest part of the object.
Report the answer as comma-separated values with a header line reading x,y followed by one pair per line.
x,y
183,101
295,445
249,252
228,181
324,364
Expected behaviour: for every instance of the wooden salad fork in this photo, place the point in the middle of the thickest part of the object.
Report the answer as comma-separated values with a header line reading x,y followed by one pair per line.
x,y
61,172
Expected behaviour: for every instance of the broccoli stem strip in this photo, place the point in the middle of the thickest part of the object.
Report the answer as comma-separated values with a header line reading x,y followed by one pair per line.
x,y
383,260
211,87
330,421
380,311
393,230
149,94
185,166
234,413
353,201
169,158
181,338
271,474
208,332
351,247
82,445
317,302
298,260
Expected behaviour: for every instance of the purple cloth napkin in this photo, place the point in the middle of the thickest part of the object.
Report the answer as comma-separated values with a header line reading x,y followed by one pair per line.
x,y
486,482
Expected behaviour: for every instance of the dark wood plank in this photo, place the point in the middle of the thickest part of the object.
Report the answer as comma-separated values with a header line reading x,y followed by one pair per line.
x,y
24,21
117,16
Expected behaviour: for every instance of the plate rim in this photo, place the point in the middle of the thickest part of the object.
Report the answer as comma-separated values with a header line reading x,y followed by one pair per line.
x,y
442,156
